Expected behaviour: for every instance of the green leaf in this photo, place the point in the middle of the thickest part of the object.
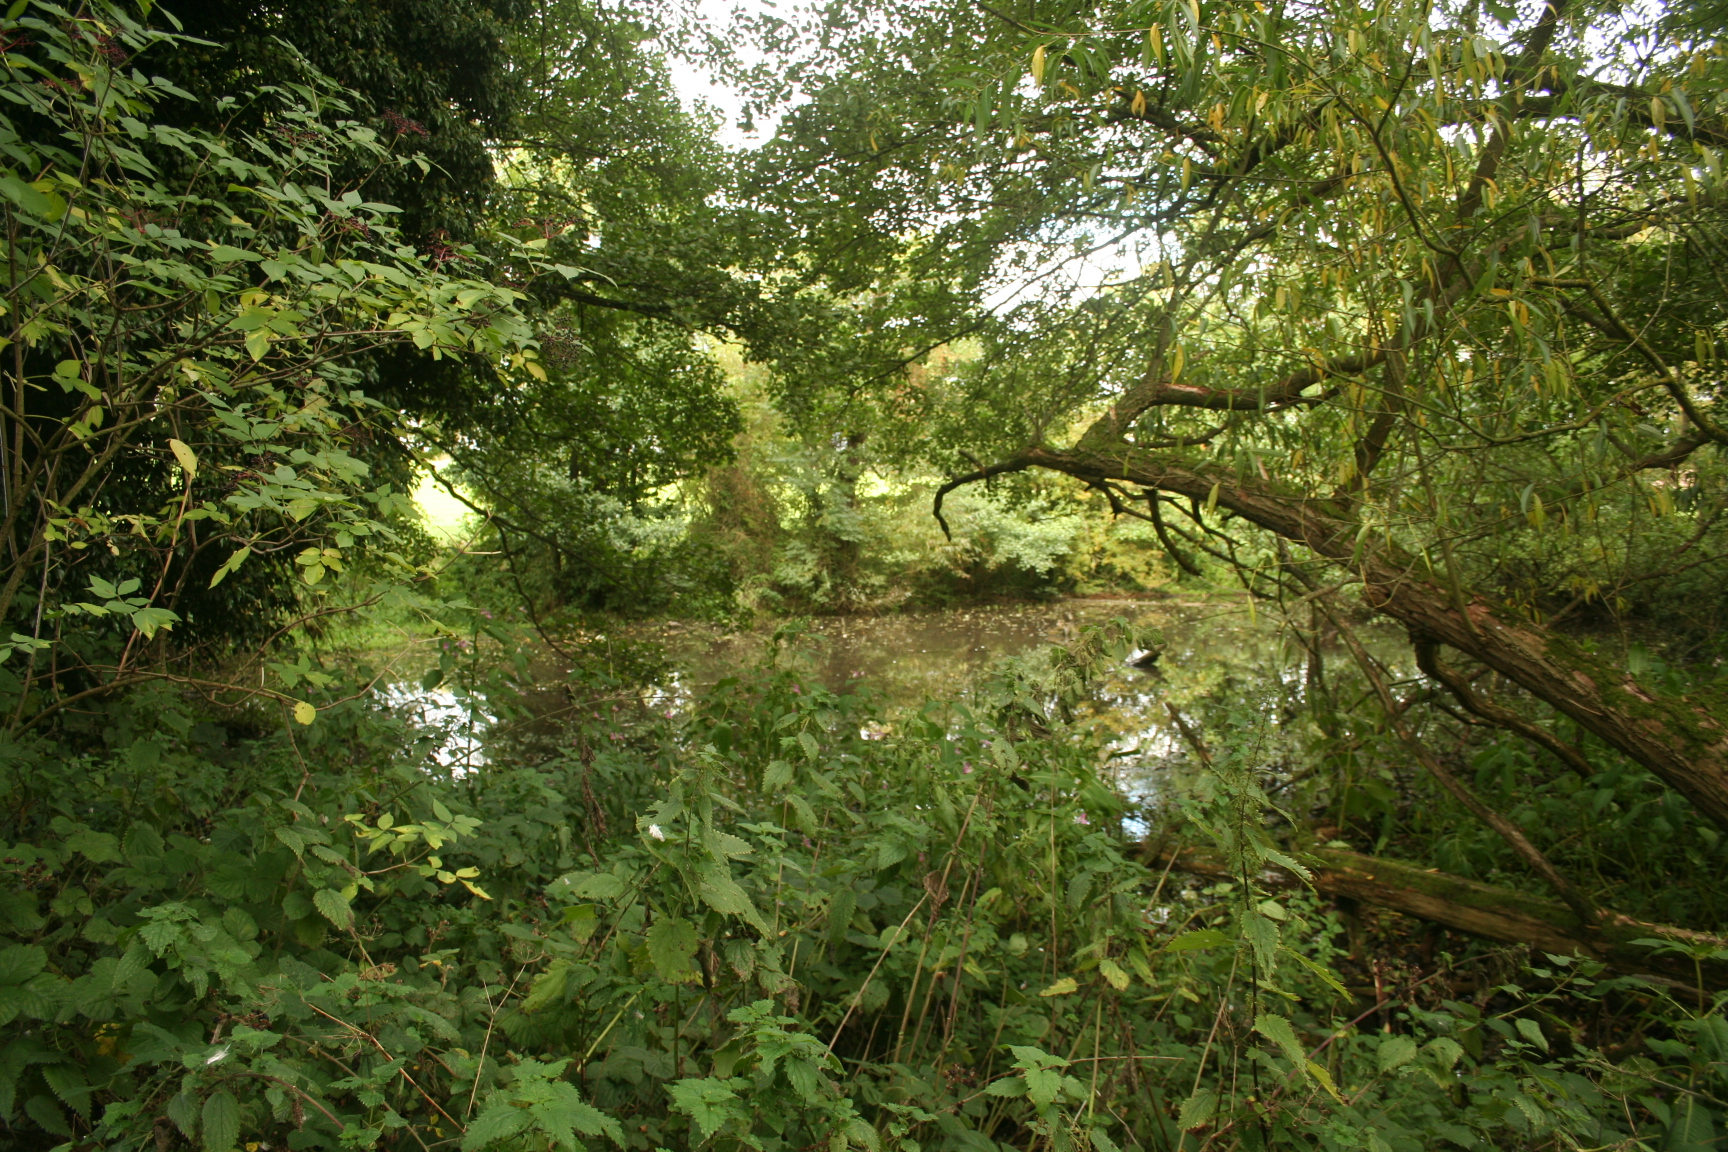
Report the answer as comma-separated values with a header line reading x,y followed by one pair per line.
x,y
1532,1032
1321,971
1042,1086
594,885
230,565
709,1102
548,988
1278,1030
1198,939
1197,1110
21,962
496,1122
32,199
1262,935
720,892
1114,973
1100,1141
151,620
227,254
183,1110
221,1121
187,459
1324,1078
1446,1051
671,944
96,847
1062,987
777,776
334,906
1395,1052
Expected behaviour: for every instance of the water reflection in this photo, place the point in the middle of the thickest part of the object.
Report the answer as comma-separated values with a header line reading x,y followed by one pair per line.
x,y
1214,649
1215,652
461,723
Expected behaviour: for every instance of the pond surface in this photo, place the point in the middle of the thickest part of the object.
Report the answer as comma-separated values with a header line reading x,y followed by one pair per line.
x,y
1214,649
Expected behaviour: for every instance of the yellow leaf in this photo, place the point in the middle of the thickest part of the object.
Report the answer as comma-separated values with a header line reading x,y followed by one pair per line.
x,y
1179,358
534,369
187,458
1038,64
304,712
1062,987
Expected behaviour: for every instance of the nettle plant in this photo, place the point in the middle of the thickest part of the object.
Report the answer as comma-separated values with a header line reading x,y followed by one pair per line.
x,y
187,319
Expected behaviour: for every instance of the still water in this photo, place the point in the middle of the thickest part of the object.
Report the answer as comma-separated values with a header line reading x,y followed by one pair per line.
x,y
1211,648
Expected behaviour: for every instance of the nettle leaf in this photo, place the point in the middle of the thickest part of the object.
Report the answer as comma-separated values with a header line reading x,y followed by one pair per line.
x,y
1278,1030
183,1110
1446,1051
548,988
1395,1052
722,893
1262,934
221,1121
778,775
671,945
1197,1110
594,885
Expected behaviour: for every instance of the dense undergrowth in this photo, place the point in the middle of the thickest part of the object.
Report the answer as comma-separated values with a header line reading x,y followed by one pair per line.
x,y
778,919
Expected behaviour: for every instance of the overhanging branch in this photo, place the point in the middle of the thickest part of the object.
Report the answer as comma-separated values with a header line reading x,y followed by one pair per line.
x,y
1000,469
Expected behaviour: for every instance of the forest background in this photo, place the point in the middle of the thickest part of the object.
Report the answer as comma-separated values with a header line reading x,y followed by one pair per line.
x,y
1398,327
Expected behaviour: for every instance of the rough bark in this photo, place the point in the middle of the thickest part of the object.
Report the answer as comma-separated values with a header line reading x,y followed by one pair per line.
x,y
1473,908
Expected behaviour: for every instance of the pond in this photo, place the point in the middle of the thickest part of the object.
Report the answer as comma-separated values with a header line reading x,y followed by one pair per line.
x,y
1214,648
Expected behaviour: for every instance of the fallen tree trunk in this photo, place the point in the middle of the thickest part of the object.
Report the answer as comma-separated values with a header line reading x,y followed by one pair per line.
x,y
1474,908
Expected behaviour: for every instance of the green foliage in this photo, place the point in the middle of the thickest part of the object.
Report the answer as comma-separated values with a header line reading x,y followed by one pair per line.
x,y
435,78
762,924
186,356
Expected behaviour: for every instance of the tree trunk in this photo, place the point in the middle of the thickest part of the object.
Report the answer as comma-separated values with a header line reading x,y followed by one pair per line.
x,y
1473,908
1681,739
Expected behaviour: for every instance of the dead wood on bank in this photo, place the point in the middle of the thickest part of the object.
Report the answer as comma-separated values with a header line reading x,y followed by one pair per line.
x,y
1474,908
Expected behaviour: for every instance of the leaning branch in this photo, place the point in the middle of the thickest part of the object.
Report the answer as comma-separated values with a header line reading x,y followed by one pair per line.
x,y
1428,659
985,473
1471,907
